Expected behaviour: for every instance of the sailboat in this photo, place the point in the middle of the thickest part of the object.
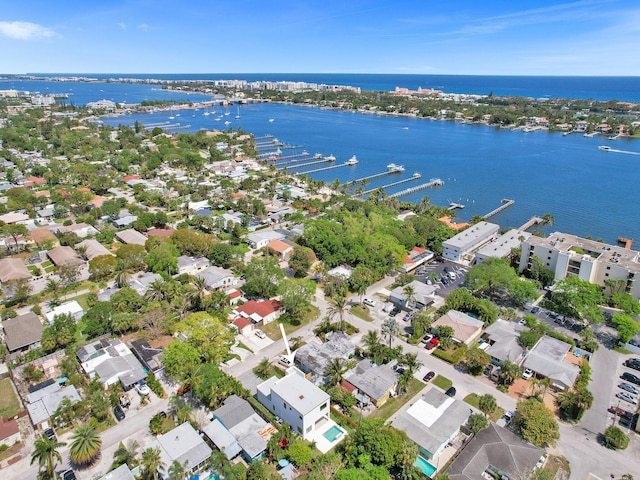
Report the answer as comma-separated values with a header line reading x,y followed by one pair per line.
x,y
206,113
238,115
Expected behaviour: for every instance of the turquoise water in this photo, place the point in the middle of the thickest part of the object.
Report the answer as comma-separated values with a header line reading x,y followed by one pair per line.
x,y
423,464
333,433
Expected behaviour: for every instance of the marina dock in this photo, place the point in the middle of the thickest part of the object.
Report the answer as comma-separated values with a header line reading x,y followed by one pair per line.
x,y
370,177
453,206
322,169
315,162
530,223
506,203
415,176
434,182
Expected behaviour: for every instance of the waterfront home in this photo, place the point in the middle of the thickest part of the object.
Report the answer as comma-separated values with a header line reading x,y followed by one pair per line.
x,y
433,421
502,246
296,401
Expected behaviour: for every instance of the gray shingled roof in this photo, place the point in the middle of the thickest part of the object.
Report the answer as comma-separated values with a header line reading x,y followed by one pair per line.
x,y
183,444
499,448
372,379
13,269
22,331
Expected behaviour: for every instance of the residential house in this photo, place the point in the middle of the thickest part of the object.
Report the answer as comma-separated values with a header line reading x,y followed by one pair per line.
x,y
296,401
44,399
72,308
192,265
141,282
217,278
373,383
82,230
111,361
433,421
182,445
161,232
243,325
461,246
314,358
341,271
9,432
131,237
13,269
547,359
236,428
589,260
283,248
149,357
92,249
501,340
64,256
22,333
416,257
262,238
423,295
121,473
124,221
466,329
260,312
15,217
495,452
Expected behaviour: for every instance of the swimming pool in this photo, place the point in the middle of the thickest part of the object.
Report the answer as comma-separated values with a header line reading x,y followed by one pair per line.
x,y
333,433
423,464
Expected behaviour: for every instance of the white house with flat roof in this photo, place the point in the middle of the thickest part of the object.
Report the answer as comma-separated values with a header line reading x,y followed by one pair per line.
x,y
296,401
460,246
501,247
261,238
590,260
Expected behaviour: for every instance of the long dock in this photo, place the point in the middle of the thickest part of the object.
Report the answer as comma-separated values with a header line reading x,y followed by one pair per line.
x,y
176,126
415,176
288,163
531,222
434,182
370,177
322,169
506,203
453,206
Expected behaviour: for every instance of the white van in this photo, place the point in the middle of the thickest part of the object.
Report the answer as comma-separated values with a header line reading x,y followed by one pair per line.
x,y
452,275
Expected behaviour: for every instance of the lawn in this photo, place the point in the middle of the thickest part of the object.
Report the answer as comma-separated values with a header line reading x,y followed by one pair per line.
x,y
273,329
394,404
361,312
9,404
443,382
473,399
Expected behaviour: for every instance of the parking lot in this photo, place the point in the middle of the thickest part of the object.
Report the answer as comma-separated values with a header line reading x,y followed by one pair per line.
x,y
434,272
623,400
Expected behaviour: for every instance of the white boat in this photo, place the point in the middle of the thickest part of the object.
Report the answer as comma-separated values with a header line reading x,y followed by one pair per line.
x,y
352,161
317,156
271,120
604,147
238,115
393,168
227,122
330,158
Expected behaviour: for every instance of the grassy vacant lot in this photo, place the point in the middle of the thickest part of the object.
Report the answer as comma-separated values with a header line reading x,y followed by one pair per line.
x,y
361,312
394,404
273,330
9,404
443,382
473,399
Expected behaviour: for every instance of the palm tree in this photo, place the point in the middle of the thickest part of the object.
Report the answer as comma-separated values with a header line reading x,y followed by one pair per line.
x,y
337,308
85,445
390,328
487,404
151,463
123,275
403,381
263,370
47,454
126,454
509,371
178,471
182,409
548,219
425,203
412,363
410,295
157,290
371,341
334,371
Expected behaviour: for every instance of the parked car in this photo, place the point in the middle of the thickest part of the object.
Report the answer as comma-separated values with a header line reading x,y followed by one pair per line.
x,y
627,397
527,374
451,392
620,412
184,389
535,310
429,376
488,369
50,434
495,375
452,275
395,311
409,316
285,361
369,302
260,334
125,401
119,413
630,377
433,343
521,321
427,338
142,388
69,475
633,363
505,419
628,387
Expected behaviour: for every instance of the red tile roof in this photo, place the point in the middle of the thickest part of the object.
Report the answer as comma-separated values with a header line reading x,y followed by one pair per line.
x,y
279,246
263,308
242,322
348,387
234,294
161,232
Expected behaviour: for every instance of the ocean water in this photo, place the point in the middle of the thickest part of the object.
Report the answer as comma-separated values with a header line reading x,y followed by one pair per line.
x,y
590,192
598,88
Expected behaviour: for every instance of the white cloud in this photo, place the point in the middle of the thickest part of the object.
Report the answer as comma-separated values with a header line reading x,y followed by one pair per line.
x,y
25,31
122,25
144,27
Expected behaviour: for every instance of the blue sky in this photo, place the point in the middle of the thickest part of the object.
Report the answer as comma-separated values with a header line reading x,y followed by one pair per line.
x,y
501,37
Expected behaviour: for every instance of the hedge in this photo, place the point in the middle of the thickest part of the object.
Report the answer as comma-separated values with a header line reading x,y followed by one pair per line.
x,y
453,357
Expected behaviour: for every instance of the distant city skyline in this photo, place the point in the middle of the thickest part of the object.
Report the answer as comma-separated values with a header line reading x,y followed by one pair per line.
x,y
464,37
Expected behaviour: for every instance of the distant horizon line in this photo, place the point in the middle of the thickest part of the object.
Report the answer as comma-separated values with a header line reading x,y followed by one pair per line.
x,y
320,73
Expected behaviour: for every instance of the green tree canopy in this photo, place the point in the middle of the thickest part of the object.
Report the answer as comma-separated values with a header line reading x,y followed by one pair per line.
x,y
536,422
262,277
210,336
579,299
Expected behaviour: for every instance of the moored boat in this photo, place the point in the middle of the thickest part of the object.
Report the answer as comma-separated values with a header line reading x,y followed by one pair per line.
x,y
352,161
604,147
393,168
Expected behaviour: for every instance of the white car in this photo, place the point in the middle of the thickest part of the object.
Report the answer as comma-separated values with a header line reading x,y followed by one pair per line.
x,y
143,388
527,374
369,302
505,419
260,334
285,361
627,397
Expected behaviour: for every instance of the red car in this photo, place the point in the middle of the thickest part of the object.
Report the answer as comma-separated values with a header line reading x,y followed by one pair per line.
x,y
620,412
184,389
433,343
429,376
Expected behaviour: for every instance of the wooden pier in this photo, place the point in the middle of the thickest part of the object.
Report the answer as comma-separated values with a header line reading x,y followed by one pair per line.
x,y
415,176
434,182
370,177
531,222
506,203
287,163
322,169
